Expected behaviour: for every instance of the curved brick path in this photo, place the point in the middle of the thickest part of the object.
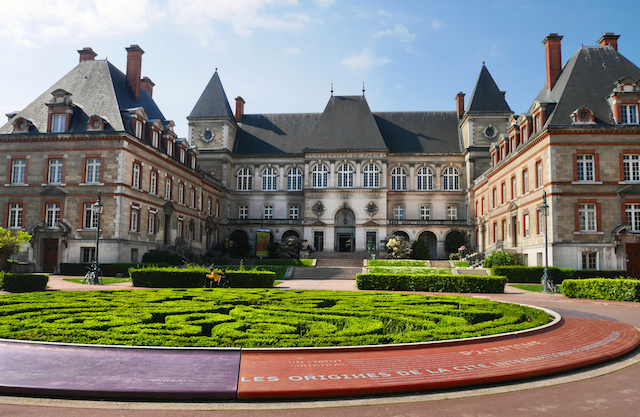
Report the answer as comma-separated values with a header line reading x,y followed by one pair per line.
x,y
589,395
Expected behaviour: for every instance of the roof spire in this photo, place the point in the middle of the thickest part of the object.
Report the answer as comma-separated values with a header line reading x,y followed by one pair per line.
x,y
363,87
331,88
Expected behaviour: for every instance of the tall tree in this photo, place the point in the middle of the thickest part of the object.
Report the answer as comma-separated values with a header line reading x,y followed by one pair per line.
x,y
10,242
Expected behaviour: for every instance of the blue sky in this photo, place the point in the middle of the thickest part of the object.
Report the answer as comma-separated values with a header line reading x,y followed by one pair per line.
x,y
282,56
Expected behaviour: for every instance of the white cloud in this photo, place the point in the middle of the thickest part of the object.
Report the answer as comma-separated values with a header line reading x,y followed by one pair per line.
x,y
291,51
356,63
384,13
436,25
398,31
46,21
243,16
324,3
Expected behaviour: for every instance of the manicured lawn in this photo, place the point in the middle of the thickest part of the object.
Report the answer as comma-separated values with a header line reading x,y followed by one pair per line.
x,y
254,317
461,264
407,270
397,263
533,287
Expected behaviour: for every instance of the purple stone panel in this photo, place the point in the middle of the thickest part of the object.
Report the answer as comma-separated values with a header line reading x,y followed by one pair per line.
x,y
118,372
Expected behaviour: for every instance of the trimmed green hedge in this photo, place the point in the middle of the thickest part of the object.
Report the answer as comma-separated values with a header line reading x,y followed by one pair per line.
x,y
533,274
431,283
602,289
23,282
195,277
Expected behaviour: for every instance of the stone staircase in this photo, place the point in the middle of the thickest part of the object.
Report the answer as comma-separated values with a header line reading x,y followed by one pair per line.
x,y
339,268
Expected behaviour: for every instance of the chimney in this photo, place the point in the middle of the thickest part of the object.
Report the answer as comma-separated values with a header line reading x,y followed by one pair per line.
x,y
87,54
609,39
134,69
147,85
553,54
239,107
460,104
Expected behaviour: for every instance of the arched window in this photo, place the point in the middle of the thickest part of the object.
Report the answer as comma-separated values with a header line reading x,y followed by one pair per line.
x,y
451,179
398,179
320,176
371,176
245,177
294,179
345,176
269,179
425,179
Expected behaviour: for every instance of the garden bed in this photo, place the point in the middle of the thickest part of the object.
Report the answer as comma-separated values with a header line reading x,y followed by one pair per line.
x,y
254,318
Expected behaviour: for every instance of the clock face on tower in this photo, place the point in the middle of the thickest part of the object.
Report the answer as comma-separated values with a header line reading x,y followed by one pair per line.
x,y
207,135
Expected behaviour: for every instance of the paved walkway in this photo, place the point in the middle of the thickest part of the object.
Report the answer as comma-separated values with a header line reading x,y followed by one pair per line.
x,y
596,392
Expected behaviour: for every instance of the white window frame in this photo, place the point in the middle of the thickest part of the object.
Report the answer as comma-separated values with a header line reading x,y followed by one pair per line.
x,y
167,188
452,212
152,223
587,258
245,179
52,215
294,179
425,213
138,129
90,217
269,179
632,212
180,193
345,176
399,179
631,166
243,212
267,212
135,182
587,217
192,198
93,170
371,174
525,181
155,139
153,183
16,212
320,176
425,179
526,224
539,172
18,171
629,114
398,212
294,212
135,219
585,165
55,171
451,179
58,123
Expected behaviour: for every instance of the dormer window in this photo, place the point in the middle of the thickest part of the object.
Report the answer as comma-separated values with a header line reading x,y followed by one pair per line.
x,y
629,114
58,122
193,162
583,115
170,147
155,139
138,130
95,123
60,111
183,153
21,125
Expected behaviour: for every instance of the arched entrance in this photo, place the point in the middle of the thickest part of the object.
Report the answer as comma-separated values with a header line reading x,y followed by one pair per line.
x,y
432,241
403,234
290,233
345,231
239,244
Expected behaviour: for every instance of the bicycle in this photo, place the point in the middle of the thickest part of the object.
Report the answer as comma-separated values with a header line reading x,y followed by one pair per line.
x,y
551,286
92,277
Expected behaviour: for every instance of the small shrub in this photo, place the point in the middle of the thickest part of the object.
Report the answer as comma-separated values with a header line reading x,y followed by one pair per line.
x,y
420,249
431,283
499,258
533,274
398,247
23,282
455,256
290,248
194,277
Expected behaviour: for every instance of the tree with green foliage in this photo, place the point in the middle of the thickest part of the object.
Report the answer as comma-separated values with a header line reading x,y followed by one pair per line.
x,y
454,240
290,248
499,258
398,247
10,241
420,249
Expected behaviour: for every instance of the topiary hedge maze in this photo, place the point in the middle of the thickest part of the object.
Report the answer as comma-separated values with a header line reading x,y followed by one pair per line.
x,y
254,318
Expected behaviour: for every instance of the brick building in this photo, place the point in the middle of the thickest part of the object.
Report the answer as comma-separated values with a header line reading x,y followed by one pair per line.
x,y
98,129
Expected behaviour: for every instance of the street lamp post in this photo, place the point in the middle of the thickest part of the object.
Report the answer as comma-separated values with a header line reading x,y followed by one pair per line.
x,y
97,209
544,208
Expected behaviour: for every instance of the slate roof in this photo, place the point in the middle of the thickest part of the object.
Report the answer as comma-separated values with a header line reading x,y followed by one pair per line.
x,y
97,88
213,101
587,79
347,123
486,96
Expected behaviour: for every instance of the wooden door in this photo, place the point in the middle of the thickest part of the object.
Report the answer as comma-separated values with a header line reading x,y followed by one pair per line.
x,y
633,260
50,255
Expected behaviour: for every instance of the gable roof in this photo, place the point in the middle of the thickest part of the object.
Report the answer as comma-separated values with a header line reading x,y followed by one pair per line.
x,y
97,88
586,80
486,96
213,101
